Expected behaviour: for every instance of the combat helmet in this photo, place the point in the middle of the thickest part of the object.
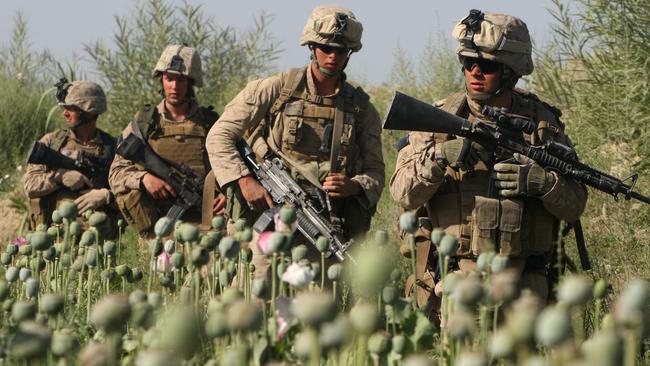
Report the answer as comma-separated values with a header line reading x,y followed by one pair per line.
x,y
85,95
497,37
181,60
333,26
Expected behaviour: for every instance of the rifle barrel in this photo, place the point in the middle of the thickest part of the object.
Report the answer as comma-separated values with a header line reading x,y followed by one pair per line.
x,y
639,196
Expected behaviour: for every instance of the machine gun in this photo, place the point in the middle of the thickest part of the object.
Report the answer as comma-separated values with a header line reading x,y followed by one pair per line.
x,y
187,185
93,167
409,114
312,221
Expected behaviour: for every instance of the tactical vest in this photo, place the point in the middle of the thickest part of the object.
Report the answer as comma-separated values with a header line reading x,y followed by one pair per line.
x,y
303,124
106,150
512,227
180,142
41,208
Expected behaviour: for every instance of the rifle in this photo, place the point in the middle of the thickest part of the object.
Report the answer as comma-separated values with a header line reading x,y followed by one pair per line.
x,y
409,114
94,167
187,185
312,221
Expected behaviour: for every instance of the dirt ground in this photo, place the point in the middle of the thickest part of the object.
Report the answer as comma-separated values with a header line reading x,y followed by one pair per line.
x,y
10,219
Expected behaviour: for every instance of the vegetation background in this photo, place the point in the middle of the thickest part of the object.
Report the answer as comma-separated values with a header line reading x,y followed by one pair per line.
x,y
595,71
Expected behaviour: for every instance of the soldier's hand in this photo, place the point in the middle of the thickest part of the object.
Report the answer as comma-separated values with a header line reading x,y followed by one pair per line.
x,y
341,186
219,206
459,153
72,179
93,199
157,188
256,196
513,179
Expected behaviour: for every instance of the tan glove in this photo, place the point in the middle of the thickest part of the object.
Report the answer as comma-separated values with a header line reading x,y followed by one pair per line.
x,y
72,179
524,179
93,199
459,153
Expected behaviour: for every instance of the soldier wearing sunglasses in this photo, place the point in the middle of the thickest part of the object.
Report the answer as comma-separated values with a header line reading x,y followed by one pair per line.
x,y
448,179
325,130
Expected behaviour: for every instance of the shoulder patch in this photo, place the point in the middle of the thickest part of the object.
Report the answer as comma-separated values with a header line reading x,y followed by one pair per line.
x,y
361,94
530,95
555,110
360,99
402,143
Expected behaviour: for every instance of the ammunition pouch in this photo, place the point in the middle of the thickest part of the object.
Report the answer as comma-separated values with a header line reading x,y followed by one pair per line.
x,y
40,211
510,243
138,209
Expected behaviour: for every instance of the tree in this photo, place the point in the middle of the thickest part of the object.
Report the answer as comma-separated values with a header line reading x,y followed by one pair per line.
x,y
229,58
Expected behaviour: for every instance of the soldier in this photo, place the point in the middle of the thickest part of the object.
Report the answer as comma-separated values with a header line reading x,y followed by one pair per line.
x,y
175,130
82,102
447,179
294,115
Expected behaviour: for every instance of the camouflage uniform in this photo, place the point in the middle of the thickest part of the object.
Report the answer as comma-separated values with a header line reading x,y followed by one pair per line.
x,y
177,141
457,200
44,186
285,114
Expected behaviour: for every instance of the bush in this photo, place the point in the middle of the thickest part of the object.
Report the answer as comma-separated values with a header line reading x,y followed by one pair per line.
x,y
24,107
596,73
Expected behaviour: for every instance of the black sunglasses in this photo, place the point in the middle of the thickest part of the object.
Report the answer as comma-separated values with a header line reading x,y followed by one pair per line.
x,y
485,66
329,49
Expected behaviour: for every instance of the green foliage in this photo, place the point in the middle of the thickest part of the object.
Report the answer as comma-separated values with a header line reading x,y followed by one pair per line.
x,y
435,76
596,73
18,59
437,73
229,58
24,106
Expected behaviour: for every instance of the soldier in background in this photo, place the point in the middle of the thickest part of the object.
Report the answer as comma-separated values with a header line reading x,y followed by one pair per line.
x,y
175,130
295,115
447,179
82,102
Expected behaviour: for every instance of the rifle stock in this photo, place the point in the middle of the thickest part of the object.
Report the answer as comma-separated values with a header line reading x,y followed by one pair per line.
x,y
409,114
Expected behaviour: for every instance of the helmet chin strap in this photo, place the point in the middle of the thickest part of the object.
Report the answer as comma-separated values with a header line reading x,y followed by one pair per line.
x,y
507,82
327,73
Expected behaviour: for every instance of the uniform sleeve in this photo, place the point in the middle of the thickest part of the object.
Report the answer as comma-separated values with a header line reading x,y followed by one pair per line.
x,y
40,181
417,175
245,111
568,198
124,175
372,176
